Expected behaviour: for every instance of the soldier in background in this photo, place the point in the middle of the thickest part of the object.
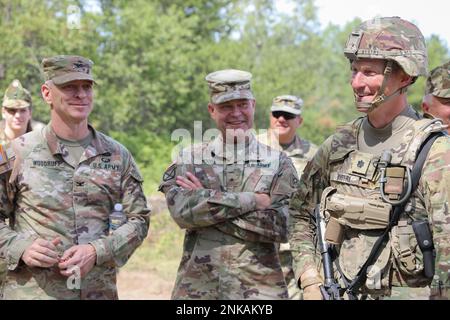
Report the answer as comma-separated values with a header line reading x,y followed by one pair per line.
x,y
362,173
436,103
285,119
59,185
436,100
17,113
231,195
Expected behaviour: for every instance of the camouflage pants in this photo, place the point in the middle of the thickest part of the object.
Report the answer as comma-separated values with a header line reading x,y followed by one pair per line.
x,y
219,266
3,273
288,273
406,293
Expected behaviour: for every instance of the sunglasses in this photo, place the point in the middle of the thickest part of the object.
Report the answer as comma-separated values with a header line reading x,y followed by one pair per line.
x,y
286,115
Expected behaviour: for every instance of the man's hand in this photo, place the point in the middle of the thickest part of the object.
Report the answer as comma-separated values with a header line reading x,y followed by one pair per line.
x,y
312,292
310,281
42,253
262,201
83,256
190,182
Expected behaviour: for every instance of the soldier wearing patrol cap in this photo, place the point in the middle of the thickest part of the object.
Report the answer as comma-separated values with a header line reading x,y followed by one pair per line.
x,y
436,100
231,196
59,185
379,187
285,119
16,113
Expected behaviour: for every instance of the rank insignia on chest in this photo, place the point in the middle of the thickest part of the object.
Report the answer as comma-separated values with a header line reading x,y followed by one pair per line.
x,y
361,163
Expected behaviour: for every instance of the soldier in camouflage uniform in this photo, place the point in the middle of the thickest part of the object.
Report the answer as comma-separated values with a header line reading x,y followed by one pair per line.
x,y
285,119
59,186
436,101
363,171
16,112
231,195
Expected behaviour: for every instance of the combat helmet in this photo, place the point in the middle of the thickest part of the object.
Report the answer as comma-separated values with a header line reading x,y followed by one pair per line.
x,y
394,40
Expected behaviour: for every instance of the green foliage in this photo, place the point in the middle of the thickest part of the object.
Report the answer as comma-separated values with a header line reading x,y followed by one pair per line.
x,y
437,55
151,58
151,152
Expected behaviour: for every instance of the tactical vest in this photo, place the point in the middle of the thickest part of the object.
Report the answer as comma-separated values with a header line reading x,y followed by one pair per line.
x,y
356,214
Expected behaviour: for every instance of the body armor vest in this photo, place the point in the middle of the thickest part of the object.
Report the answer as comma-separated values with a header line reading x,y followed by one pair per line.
x,y
357,215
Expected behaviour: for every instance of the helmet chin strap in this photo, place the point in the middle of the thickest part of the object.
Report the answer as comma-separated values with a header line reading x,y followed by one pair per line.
x,y
380,98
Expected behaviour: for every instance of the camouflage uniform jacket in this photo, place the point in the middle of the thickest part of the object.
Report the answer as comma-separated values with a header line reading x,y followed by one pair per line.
x,y
230,247
47,197
430,202
300,151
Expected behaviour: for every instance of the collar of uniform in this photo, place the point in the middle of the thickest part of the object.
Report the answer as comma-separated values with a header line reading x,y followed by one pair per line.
x,y
95,147
298,146
226,152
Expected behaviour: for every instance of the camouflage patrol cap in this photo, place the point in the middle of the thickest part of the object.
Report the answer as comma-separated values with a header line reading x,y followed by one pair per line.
x,y
438,82
63,68
287,103
390,38
16,96
229,84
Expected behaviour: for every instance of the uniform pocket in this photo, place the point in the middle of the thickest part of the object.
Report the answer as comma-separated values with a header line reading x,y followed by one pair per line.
x,y
407,254
354,252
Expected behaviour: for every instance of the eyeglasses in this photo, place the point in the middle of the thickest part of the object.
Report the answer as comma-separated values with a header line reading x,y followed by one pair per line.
x,y
286,115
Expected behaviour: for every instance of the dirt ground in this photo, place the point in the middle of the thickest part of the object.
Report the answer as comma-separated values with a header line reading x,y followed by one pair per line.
x,y
134,285
151,271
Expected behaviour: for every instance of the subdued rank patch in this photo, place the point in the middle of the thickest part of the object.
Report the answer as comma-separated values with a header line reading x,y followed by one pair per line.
x,y
360,164
294,182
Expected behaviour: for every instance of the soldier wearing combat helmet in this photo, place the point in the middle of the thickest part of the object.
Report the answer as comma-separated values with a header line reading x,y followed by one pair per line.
x,y
436,101
382,180
231,195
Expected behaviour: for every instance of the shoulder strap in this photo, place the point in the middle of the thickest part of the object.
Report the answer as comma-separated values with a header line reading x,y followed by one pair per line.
x,y
381,241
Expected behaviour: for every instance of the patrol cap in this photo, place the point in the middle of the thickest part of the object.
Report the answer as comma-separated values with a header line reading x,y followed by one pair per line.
x,y
287,103
16,96
229,84
438,82
65,68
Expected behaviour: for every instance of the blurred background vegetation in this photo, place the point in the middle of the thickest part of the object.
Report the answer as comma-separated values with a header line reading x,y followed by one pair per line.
x,y
151,58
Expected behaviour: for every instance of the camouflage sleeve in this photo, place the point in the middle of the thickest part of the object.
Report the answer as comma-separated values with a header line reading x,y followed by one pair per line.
x,y
269,225
203,207
120,245
435,183
12,243
301,211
